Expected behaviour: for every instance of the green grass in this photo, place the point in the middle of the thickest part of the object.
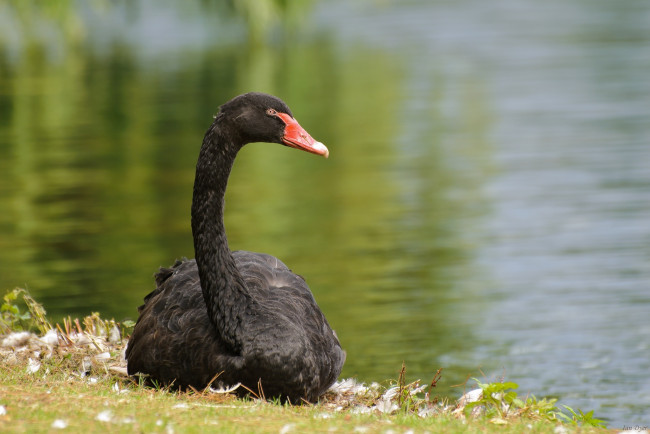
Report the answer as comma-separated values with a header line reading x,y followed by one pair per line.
x,y
78,383
34,402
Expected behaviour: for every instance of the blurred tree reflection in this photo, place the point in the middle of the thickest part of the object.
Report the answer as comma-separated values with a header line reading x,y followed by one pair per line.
x,y
67,24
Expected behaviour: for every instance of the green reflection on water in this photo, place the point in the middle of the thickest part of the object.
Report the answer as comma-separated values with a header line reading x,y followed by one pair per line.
x,y
98,155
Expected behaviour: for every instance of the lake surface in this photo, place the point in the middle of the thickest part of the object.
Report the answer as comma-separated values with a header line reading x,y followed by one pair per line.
x,y
485,208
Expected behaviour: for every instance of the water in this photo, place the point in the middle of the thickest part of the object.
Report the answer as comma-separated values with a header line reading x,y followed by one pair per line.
x,y
485,209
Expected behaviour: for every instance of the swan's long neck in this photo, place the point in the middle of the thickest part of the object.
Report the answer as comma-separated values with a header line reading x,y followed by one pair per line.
x,y
224,290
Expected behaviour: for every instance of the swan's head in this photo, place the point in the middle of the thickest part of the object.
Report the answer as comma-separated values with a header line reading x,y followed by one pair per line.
x,y
258,117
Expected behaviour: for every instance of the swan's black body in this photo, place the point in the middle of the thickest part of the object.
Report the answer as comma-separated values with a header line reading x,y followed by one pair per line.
x,y
242,315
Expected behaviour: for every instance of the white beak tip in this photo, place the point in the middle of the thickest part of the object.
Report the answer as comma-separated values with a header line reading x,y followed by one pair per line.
x,y
322,149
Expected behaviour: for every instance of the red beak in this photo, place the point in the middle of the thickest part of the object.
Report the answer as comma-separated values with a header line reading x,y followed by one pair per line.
x,y
296,137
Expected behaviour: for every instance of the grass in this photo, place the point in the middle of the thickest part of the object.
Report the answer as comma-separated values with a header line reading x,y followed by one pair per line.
x,y
72,376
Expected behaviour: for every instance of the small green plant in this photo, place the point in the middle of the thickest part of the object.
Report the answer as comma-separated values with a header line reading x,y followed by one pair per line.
x,y
500,401
580,418
14,317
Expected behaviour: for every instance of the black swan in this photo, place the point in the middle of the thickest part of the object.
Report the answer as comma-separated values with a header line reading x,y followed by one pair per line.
x,y
235,317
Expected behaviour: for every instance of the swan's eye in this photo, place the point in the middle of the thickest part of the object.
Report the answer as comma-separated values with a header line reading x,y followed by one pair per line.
x,y
271,112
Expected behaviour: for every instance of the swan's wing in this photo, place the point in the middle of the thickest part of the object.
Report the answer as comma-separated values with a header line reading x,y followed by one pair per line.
x,y
173,340
286,296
